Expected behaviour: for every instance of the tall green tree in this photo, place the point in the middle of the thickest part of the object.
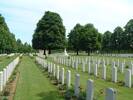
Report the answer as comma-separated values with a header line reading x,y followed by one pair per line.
x,y
128,34
90,38
74,38
50,32
106,43
116,39
8,43
85,38
7,39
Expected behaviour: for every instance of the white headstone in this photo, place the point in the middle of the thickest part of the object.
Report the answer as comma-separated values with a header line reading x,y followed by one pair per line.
x,y
48,67
95,70
122,67
68,79
77,85
104,72
89,67
110,94
65,52
128,81
76,65
51,67
83,66
4,76
114,74
54,70
90,90
57,73
62,76
1,80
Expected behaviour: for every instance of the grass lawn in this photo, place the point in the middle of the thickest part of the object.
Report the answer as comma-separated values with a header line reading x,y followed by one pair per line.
x,y
5,60
123,93
33,84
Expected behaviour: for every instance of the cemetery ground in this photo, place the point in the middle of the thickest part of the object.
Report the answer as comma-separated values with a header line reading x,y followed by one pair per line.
x,y
34,84
123,93
5,60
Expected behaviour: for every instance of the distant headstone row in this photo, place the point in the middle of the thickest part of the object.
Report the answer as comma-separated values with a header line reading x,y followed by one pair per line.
x,y
10,55
88,62
6,73
118,55
3,54
58,73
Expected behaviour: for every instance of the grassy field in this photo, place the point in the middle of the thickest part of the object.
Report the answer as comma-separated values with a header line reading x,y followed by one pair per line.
x,y
5,60
123,93
33,84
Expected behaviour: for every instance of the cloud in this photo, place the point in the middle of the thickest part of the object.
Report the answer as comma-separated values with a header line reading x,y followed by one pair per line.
x,y
104,14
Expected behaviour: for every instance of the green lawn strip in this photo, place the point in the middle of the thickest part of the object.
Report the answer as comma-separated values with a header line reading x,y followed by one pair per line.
x,y
32,84
123,93
5,60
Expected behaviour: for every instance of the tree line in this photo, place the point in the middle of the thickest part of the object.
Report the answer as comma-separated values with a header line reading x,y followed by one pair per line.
x,y
50,35
8,42
120,41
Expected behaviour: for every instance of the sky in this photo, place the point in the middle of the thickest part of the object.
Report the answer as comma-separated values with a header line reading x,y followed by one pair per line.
x,y
22,16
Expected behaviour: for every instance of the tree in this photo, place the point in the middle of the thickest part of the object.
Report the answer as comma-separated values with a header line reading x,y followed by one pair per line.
x,y
27,48
74,38
37,42
116,39
50,32
19,46
85,38
90,38
100,37
106,45
7,39
128,35
8,43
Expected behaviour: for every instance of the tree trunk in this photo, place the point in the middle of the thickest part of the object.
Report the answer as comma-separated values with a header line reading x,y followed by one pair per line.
x,y
44,52
88,52
77,52
49,51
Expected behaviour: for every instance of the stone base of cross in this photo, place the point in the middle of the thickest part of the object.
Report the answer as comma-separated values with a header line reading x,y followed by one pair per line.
x,y
65,52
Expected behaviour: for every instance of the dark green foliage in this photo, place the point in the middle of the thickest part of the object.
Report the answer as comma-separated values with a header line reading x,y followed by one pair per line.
x,y
8,43
120,41
84,38
50,32
116,39
7,39
74,38
87,38
129,35
106,41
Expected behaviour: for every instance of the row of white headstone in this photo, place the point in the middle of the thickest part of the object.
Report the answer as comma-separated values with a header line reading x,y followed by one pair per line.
x,y
6,73
31,54
58,73
128,72
12,54
79,60
3,54
118,55
40,55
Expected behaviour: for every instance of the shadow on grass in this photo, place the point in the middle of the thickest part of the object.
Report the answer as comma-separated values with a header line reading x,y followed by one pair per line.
x,y
52,95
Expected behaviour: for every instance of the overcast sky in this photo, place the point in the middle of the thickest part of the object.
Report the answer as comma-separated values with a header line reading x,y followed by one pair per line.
x,y
22,15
